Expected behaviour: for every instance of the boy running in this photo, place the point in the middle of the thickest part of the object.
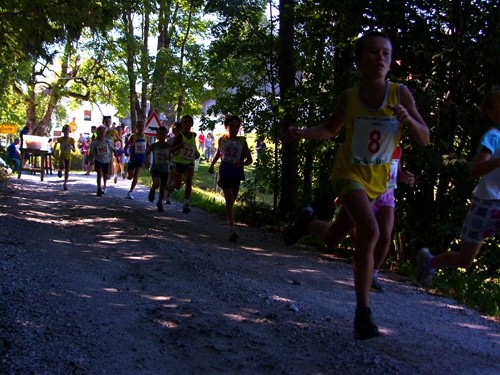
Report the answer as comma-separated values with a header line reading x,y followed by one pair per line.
x,y
160,166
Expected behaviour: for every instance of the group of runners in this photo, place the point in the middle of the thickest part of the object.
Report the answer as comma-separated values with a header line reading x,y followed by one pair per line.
x,y
375,114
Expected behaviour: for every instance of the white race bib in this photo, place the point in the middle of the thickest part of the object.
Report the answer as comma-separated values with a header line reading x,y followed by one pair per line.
x,y
161,156
188,152
102,150
393,175
140,147
231,151
373,140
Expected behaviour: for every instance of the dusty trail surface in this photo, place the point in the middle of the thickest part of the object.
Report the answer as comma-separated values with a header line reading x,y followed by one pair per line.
x,y
106,285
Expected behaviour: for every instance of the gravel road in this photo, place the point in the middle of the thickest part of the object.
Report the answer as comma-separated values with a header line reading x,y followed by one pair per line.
x,y
107,285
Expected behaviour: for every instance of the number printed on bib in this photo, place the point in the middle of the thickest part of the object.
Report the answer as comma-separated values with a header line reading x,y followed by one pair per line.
x,y
103,152
102,149
188,152
140,147
373,140
161,156
231,151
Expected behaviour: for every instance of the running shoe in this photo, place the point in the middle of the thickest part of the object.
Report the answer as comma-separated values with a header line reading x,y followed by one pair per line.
x,y
425,272
103,191
363,325
377,285
65,187
115,179
151,195
299,228
159,206
129,195
59,173
186,209
168,199
233,237
99,192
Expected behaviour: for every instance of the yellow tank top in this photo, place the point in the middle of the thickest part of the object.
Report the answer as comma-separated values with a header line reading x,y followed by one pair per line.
x,y
370,138
187,154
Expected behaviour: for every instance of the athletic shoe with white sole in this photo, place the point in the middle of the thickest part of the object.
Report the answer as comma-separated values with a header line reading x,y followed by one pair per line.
x,y
299,228
425,272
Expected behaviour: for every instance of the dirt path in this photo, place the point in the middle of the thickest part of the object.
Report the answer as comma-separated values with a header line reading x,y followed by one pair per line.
x,y
106,285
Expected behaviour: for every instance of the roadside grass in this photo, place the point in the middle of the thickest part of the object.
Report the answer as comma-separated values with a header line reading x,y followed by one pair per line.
x,y
207,196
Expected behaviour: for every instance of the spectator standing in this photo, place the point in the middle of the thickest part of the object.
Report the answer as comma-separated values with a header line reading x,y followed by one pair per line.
x,y
26,130
209,144
260,146
201,143
14,154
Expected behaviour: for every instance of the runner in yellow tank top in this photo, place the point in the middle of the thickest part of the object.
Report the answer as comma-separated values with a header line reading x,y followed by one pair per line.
x,y
373,117
66,147
185,152
371,136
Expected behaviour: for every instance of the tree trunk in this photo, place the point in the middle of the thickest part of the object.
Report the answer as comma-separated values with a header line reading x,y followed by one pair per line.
x,y
132,77
180,102
144,65
286,63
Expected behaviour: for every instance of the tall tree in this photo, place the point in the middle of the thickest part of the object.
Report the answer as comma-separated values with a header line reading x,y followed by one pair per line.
x,y
29,32
287,71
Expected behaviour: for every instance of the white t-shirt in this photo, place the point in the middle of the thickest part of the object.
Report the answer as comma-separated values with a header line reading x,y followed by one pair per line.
x,y
102,151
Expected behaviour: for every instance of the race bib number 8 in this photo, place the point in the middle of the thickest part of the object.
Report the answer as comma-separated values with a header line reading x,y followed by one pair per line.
x,y
373,140
231,151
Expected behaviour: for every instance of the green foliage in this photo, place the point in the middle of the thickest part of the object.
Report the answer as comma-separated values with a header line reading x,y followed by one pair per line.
x,y
30,28
477,287
447,53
